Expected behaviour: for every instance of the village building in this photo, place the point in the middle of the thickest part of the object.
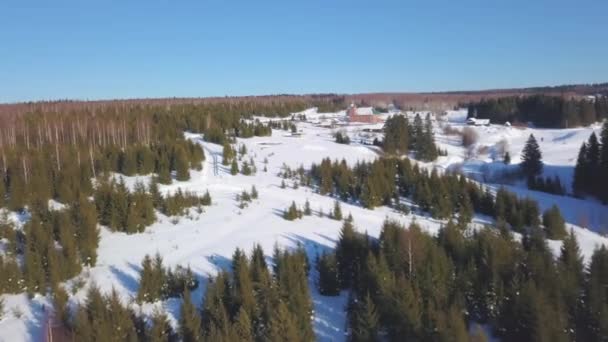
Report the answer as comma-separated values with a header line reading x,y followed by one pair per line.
x,y
478,122
363,115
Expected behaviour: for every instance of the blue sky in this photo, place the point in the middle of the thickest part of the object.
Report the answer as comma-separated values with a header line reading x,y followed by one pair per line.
x,y
125,49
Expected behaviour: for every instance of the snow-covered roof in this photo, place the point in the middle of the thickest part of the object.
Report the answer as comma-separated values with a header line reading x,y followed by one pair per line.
x,y
365,111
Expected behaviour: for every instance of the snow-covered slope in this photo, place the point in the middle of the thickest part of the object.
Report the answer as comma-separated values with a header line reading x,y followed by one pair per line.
x,y
206,241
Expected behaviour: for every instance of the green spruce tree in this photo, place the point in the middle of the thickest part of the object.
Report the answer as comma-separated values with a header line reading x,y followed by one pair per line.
x,y
190,322
531,164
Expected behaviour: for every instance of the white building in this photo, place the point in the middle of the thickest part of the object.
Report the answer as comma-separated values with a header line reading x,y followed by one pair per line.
x,y
478,122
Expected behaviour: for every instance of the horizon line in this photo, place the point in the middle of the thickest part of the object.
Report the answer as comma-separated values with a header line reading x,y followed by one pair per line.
x,y
312,94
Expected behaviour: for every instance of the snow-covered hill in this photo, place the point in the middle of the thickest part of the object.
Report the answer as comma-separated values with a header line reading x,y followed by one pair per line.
x,y
206,241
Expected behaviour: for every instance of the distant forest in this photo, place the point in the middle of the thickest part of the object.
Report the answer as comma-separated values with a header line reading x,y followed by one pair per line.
x,y
541,110
434,101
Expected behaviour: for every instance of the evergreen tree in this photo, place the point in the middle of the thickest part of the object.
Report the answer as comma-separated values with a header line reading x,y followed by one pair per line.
x,y
307,209
337,212
227,154
17,192
592,160
426,148
282,326
242,150
507,158
396,135
329,283
60,304
34,256
342,138
365,323
245,168
82,327
603,163
206,199
181,164
2,191
465,210
190,321
234,167
455,328
243,296
417,128
571,273
119,320
163,169
242,327
596,296
554,223
153,283
84,217
349,254
161,330
292,212
581,172
531,164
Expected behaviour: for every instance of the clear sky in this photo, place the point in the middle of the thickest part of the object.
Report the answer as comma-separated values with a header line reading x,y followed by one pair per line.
x,y
123,49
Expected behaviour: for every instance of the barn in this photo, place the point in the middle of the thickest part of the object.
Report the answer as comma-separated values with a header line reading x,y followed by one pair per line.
x,y
363,115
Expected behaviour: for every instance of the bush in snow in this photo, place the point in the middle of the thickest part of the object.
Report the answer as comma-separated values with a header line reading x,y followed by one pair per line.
x,y
469,137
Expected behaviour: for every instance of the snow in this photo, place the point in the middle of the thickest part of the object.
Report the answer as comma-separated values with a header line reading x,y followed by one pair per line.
x,y
365,111
206,241
23,318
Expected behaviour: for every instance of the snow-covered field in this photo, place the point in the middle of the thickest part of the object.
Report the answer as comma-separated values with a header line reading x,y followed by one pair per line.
x,y
206,241
559,148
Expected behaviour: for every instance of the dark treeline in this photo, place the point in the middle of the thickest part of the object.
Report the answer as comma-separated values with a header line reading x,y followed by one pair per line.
x,y
63,173
248,304
132,211
401,136
542,110
252,304
157,282
43,153
387,181
409,285
591,170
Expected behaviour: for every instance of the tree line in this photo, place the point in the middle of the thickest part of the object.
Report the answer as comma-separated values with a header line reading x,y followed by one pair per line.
x,y
592,167
388,181
542,110
250,303
31,175
121,209
588,178
409,285
401,137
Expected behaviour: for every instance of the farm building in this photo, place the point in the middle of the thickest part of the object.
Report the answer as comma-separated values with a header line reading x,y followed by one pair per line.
x,y
363,114
478,122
